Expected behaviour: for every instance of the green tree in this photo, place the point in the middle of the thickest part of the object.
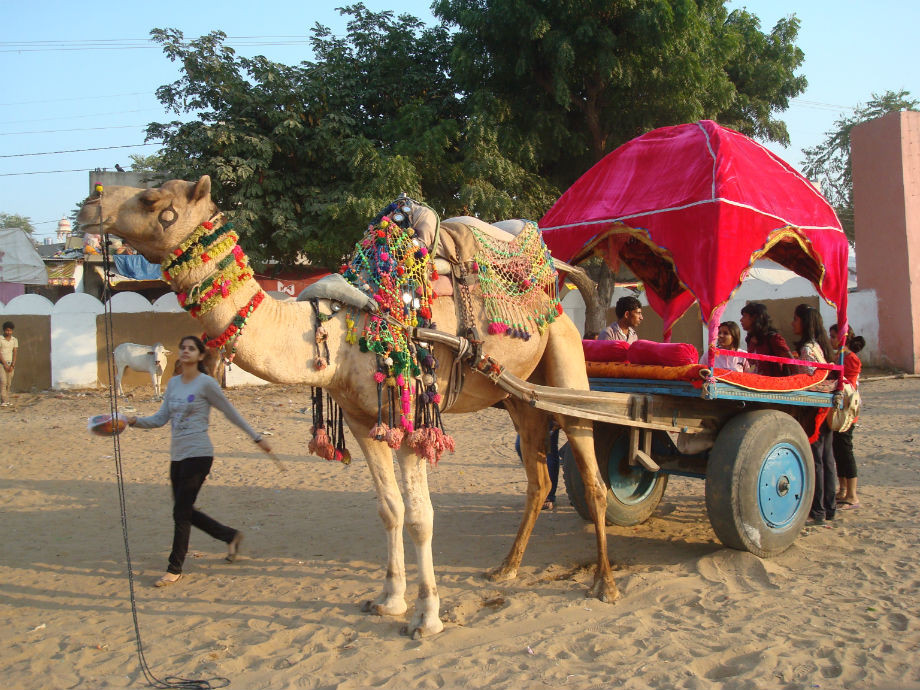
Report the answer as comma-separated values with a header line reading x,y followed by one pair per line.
x,y
13,220
302,156
586,76
829,164
152,163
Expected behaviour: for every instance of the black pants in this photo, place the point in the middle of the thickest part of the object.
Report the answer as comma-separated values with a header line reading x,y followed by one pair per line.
x,y
186,477
843,454
824,504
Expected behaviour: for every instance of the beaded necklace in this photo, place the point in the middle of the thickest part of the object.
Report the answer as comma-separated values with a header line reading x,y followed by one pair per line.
x,y
235,329
198,248
231,272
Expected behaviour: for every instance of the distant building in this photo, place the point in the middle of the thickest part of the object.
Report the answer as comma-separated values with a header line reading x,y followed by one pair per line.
x,y
63,231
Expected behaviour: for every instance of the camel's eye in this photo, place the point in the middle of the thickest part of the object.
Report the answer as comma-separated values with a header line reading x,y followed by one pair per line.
x,y
168,216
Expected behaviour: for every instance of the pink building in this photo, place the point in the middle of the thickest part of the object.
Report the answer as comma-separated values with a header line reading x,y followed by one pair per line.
x,y
886,198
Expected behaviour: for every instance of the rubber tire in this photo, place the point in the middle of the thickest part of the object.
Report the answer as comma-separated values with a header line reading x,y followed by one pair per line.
x,y
734,494
619,512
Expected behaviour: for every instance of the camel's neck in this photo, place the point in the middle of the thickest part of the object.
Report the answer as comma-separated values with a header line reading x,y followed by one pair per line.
x,y
213,281
211,276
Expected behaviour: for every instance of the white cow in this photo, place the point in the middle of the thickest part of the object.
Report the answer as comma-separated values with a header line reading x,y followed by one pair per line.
x,y
141,358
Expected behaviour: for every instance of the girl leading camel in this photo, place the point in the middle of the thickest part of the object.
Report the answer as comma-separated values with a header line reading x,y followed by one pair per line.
x,y
187,404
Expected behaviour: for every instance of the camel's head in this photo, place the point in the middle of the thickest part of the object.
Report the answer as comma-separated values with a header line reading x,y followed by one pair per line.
x,y
153,221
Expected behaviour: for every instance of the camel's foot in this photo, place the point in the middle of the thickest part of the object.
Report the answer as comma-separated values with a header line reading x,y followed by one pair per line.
x,y
605,589
502,573
385,605
423,624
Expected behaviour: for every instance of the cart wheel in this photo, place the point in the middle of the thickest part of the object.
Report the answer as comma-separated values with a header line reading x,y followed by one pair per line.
x,y
633,492
759,482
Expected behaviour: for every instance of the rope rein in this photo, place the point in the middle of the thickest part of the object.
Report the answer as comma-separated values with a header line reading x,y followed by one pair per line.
x,y
153,680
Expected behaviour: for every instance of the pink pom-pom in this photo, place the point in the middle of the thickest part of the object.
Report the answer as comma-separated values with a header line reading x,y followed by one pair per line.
x,y
405,395
384,256
423,251
436,398
495,328
379,376
320,445
400,380
406,424
379,432
395,437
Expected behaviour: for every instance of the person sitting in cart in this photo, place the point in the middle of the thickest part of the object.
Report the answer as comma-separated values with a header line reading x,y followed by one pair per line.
x,y
764,339
730,339
629,316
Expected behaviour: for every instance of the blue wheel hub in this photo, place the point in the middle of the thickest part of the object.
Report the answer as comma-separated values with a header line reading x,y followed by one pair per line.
x,y
781,485
630,484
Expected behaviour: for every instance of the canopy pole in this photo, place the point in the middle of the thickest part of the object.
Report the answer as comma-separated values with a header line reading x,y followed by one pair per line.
x,y
715,318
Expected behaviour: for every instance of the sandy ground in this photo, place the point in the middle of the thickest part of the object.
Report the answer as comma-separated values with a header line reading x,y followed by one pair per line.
x,y
840,609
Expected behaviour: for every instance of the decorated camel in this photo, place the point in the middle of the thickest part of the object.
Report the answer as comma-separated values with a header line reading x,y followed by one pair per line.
x,y
372,357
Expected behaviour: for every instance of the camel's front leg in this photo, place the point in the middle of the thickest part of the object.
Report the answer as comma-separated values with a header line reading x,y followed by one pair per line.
x,y
420,523
531,425
392,600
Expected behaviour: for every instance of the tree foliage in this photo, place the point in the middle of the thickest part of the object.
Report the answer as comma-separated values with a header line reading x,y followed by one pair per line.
x,y
302,156
13,220
568,82
829,164
577,79
493,112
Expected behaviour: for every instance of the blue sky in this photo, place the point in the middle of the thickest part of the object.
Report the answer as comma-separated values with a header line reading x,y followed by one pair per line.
x,y
60,94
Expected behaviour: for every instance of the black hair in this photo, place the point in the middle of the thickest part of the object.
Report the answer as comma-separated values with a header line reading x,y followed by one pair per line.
x,y
625,304
813,329
761,326
199,345
856,343
735,331
8,324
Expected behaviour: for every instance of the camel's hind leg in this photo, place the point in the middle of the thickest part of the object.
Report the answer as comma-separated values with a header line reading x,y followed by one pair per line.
x,y
563,370
420,525
392,600
531,425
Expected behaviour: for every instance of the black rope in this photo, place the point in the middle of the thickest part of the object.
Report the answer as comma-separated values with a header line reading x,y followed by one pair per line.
x,y
169,681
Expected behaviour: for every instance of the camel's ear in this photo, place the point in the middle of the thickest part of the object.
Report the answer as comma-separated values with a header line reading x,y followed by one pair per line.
x,y
202,189
150,197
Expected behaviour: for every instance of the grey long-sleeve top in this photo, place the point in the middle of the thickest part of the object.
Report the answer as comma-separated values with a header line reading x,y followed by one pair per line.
x,y
188,407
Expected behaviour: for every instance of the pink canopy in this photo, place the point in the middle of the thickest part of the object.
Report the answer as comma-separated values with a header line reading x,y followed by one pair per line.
x,y
689,208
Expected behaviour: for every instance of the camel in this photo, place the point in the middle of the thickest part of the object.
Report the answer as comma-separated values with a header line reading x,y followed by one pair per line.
x,y
278,343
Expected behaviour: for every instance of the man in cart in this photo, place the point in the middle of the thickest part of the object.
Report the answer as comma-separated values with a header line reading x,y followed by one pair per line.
x,y
629,316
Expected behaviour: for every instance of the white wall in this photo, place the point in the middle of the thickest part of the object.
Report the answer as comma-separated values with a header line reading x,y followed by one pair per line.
x,y
73,342
74,362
